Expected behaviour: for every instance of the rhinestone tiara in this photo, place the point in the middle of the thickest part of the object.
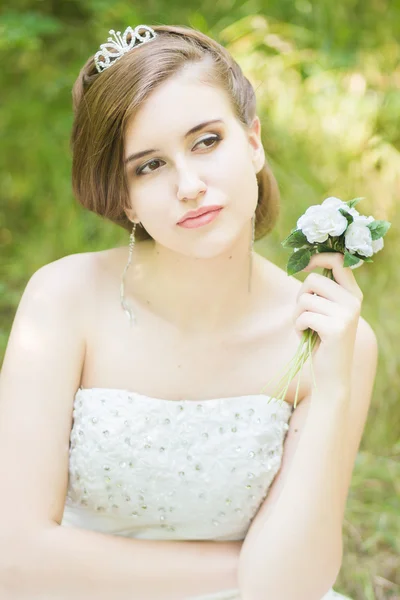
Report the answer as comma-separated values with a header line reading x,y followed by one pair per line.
x,y
114,49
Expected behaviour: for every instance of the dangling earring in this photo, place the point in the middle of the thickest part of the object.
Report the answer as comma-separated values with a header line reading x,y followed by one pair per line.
x,y
125,305
253,228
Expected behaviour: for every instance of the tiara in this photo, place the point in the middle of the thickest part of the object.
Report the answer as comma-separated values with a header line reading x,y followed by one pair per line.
x,y
114,49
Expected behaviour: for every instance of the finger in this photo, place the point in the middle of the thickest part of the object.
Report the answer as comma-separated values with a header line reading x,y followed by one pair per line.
x,y
344,276
324,326
316,304
325,288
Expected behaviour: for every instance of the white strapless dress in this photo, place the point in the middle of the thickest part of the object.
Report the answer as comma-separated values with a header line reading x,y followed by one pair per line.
x,y
157,469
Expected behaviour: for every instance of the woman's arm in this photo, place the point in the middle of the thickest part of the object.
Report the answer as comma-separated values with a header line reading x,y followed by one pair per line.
x,y
39,559
293,549
59,563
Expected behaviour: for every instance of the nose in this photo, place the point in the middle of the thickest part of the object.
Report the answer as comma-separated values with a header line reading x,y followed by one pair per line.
x,y
189,184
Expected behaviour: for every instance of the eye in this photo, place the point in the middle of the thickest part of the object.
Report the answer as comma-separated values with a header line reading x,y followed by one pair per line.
x,y
215,139
140,171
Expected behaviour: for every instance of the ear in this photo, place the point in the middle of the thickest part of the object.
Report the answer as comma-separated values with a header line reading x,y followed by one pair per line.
x,y
130,213
257,149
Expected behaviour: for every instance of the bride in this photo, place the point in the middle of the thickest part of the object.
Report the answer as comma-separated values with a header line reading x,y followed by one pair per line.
x,y
139,458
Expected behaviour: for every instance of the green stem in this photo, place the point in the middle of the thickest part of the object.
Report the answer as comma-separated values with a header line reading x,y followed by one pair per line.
x,y
304,351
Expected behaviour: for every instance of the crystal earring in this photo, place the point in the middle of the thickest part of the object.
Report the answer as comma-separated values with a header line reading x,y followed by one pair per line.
x,y
125,305
253,228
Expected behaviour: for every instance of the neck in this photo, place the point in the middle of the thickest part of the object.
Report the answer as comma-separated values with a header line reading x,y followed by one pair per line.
x,y
198,294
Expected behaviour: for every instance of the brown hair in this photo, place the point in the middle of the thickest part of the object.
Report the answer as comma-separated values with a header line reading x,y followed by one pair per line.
x,y
104,102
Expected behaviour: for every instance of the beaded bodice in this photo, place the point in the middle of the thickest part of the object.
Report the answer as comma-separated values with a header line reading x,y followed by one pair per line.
x,y
163,469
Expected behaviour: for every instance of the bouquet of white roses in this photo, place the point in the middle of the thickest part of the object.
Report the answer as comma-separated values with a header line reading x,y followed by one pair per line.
x,y
333,226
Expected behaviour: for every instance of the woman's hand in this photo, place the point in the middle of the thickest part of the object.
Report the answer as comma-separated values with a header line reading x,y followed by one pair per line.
x,y
334,314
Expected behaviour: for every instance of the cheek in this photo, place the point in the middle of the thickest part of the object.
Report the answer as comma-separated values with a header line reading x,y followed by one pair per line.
x,y
231,167
243,185
241,175
154,211
146,195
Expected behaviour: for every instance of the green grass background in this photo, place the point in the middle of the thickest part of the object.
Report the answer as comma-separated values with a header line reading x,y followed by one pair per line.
x,y
327,77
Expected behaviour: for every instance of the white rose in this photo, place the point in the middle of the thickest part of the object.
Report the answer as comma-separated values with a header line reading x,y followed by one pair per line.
x,y
364,220
333,202
318,222
358,238
377,245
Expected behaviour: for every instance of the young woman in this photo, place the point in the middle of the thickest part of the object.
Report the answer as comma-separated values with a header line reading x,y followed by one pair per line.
x,y
139,458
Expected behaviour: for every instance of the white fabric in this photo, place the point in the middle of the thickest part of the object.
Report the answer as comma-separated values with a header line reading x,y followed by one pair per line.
x,y
151,468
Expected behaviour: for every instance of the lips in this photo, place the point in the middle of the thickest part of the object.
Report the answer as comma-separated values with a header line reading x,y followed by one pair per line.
x,y
193,214
202,220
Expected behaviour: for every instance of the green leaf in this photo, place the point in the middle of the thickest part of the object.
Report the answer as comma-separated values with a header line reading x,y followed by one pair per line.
x,y
298,261
325,248
354,202
378,228
295,239
350,259
348,216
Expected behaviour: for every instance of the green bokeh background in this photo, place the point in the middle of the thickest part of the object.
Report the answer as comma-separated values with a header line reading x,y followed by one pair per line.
x,y
327,78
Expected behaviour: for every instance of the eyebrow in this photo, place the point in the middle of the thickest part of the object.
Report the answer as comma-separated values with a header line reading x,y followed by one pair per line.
x,y
138,155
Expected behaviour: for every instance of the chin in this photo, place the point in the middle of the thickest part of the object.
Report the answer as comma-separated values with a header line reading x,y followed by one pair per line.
x,y
209,246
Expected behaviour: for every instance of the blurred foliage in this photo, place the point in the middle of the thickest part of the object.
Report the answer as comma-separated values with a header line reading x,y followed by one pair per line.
x,y
327,77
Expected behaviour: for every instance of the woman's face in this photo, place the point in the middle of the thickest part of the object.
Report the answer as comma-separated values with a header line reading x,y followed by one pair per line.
x,y
214,165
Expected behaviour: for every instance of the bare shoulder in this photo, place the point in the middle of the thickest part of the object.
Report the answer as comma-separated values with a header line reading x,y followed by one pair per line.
x,y
68,283
366,334
69,278
70,269
287,291
366,353
40,374
281,287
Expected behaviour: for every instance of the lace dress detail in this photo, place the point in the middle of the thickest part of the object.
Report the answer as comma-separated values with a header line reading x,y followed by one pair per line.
x,y
151,468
